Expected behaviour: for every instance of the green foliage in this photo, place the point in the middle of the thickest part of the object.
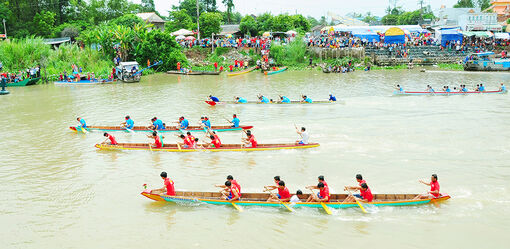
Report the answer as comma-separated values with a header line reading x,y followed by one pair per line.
x,y
128,20
396,16
235,17
157,46
210,5
147,6
210,22
451,66
265,22
249,25
313,22
20,54
282,23
390,19
44,23
290,55
409,18
221,51
230,7
179,19
464,4
484,4
191,8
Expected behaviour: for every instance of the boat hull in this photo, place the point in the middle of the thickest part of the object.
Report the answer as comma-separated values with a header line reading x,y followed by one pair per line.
x,y
242,72
488,65
169,129
259,199
84,82
275,72
447,93
223,148
193,72
25,82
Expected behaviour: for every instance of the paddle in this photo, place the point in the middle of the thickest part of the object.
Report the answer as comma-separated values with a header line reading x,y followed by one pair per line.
x,y
358,202
150,147
237,207
271,192
326,208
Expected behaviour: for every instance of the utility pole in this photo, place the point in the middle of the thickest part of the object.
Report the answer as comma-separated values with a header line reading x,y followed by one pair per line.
x,y
198,21
5,30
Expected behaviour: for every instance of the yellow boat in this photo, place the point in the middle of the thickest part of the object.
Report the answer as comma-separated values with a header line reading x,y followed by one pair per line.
x,y
224,147
242,72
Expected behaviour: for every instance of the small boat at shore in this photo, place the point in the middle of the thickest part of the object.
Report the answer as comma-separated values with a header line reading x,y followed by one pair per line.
x,y
259,199
276,71
193,72
85,82
242,72
447,93
262,103
224,147
25,82
486,61
168,129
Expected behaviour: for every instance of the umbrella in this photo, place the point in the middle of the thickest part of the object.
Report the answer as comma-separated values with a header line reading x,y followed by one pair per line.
x,y
229,36
266,34
291,32
189,38
180,37
182,32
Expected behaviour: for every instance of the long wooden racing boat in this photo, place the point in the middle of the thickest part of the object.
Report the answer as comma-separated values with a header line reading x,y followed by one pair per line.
x,y
224,147
242,72
25,82
276,71
194,72
278,103
259,199
168,129
85,82
447,93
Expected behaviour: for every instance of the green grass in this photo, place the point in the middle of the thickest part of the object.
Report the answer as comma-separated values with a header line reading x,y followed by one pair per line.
x,y
451,66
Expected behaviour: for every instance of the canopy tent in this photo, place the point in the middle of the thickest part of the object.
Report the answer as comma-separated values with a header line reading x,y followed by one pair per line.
x,y
484,34
447,35
189,38
179,37
291,33
394,35
369,36
504,36
266,34
182,32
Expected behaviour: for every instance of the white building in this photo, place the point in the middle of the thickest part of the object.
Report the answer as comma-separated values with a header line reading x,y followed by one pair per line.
x,y
468,19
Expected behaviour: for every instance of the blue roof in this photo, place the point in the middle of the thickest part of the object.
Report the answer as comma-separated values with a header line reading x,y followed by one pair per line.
x,y
484,53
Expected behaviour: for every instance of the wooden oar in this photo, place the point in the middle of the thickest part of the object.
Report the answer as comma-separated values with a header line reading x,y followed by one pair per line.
x,y
358,202
326,208
150,147
290,209
237,207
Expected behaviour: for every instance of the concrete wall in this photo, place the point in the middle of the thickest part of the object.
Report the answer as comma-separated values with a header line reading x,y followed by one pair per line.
x,y
333,53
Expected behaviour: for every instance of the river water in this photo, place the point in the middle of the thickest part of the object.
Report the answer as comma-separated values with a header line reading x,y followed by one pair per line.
x,y
61,192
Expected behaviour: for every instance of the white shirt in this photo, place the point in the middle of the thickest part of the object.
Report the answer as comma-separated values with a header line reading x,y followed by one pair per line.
x,y
294,198
305,137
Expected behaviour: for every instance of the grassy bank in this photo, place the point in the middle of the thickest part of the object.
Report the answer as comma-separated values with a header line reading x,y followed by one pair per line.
x,y
20,54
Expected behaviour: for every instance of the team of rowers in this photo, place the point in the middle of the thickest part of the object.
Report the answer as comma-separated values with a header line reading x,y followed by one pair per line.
x,y
188,140
264,99
461,88
231,190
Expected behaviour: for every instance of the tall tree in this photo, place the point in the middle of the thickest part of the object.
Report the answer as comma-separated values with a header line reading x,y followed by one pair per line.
x,y
230,7
464,4
210,22
179,19
148,6
210,5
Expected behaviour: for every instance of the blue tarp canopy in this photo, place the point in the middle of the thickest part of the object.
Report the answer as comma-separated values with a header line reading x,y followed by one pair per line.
x,y
370,37
394,39
450,35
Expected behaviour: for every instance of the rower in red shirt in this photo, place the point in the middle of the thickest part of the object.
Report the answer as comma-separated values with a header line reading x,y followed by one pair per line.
x,y
322,196
186,143
359,179
158,139
249,141
168,187
434,189
283,193
111,138
364,196
231,193
230,178
320,179
190,138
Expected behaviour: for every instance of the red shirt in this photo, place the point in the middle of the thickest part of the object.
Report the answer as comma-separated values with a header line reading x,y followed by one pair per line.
x,y
235,183
112,139
324,193
284,193
178,66
188,142
216,64
169,184
361,182
234,188
253,141
157,141
191,139
367,195
325,183
217,138
230,67
433,187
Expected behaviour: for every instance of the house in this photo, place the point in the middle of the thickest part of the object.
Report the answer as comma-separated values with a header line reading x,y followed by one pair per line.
x,y
153,18
468,19
230,30
500,7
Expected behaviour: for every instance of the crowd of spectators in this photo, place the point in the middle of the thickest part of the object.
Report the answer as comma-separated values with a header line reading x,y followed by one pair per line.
x,y
34,72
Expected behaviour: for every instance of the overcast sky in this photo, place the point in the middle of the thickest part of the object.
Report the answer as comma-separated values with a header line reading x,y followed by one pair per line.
x,y
315,8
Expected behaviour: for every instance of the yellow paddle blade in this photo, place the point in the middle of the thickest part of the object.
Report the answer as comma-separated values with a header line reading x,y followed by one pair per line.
x,y
150,147
328,211
361,206
237,207
83,130
290,209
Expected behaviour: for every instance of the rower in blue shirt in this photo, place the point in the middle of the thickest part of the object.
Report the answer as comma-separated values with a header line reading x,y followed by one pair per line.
x,y
399,88
482,88
83,124
263,99
157,124
205,122
306,99
332,98
447,89
284,99
213,98
502,88
430,89
241,100
183,123
128,124
235,121
464,89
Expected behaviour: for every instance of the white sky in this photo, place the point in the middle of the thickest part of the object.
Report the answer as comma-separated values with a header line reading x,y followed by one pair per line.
x,y
315,8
